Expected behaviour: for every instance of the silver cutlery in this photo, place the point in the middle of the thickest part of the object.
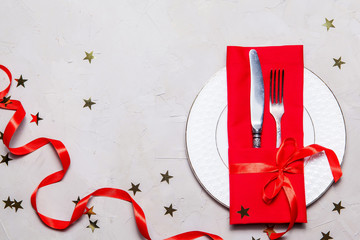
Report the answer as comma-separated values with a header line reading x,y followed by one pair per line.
x,y
276,100
256,97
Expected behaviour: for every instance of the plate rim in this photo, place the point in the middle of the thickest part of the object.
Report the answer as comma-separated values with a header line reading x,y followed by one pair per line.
x,y
192,167
345,134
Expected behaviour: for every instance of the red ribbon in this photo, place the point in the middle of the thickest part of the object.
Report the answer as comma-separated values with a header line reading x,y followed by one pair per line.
x,y
64,157
289,160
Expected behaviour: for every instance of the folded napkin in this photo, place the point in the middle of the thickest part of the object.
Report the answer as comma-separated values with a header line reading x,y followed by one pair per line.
x,y
247,203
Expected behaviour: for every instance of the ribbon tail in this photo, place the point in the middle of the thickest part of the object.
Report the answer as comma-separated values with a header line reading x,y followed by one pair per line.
x,y
291,197
330,154
334,164
8,73
64,158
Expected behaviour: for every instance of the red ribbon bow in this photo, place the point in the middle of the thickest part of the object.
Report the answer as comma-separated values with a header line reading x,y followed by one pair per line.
x,y
289,160
64,157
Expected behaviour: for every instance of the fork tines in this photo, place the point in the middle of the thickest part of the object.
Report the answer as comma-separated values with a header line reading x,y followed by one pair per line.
x,y
276,90
277,100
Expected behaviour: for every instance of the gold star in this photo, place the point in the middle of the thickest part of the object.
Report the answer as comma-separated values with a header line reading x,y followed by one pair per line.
x,y
17,205
76,201
338,207
338,62
89,56
20,81
93,225
8,203
35,118
88,103
89,211
170,210
1,135
244,212
6,159
135,188
328,24
269,230
326,236
166,177
6,100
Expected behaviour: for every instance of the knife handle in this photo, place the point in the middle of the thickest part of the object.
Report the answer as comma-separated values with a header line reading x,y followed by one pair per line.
x,y
256,138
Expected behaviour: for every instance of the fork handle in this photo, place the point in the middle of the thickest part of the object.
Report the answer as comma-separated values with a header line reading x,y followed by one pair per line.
x,y
256,138
278,133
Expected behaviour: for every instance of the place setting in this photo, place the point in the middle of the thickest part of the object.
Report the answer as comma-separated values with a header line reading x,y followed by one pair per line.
x,y
270,100
179,120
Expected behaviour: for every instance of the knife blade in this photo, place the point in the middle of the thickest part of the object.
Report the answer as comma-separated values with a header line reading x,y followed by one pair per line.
x,y
256,97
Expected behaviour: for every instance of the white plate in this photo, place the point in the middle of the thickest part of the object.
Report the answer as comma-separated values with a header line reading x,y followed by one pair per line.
x,y
207,143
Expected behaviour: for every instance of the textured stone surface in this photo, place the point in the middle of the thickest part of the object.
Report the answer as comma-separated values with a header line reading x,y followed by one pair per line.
x,y
152,57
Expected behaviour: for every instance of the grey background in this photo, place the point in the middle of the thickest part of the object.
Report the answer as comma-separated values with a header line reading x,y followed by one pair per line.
x,y
151,59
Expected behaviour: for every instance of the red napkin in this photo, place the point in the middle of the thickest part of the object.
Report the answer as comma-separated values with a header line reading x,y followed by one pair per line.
x,y
246,190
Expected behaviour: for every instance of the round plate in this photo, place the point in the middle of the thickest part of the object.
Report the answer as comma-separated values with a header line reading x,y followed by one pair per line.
x,y
207,142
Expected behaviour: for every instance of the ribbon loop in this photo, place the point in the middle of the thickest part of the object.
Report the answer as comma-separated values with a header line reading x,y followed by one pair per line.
x,y
278,184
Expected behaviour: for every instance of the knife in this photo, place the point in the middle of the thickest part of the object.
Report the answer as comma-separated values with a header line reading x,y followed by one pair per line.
x,y
256,97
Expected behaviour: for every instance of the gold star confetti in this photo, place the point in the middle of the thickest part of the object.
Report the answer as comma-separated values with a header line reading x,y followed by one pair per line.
x,y
17,205
338,62
76,201
88,103
6,100
93,225
328,24
35,118
20,81
8,203
6,159
166,177
135,188
244,212
170,210
326,236
89,56
1,135
89,211
269,230
338,207
255,239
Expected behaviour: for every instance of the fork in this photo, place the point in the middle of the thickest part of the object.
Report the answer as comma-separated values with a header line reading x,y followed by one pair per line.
x,y
276,100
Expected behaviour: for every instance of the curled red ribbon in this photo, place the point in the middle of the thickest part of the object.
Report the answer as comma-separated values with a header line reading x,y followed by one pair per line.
x,y
289,160
64,157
